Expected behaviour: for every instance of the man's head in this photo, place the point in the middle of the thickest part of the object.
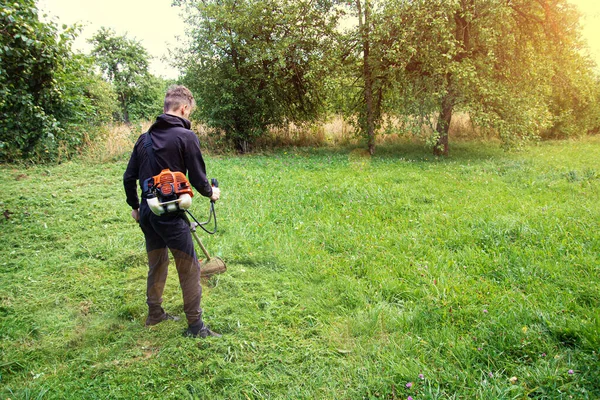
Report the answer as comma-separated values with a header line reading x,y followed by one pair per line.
x,y
179,101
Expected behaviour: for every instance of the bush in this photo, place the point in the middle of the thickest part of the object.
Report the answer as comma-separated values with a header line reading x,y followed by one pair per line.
x,y
48,95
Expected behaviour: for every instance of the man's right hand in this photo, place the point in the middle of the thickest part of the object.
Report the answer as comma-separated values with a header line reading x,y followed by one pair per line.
x,y
135,214
216,194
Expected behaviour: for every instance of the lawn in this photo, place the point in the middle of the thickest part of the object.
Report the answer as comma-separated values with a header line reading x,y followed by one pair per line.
x,y
397,276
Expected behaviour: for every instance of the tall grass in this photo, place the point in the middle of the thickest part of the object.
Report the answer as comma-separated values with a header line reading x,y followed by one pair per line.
x,y
114,141
117,140
475,276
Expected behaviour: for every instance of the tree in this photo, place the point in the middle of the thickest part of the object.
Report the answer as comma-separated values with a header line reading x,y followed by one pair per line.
x,y
147,102
124,63
86,101
371,52
364,26
44,88
30,54
257,63
499,61
515,67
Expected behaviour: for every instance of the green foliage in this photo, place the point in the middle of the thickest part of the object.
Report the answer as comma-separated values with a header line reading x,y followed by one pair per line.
x,y
347,278
31,53
50,98
257,63
515,67
87,102
147,102
124,63
574,101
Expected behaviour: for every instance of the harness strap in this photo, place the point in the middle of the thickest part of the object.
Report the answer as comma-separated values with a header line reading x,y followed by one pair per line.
x,y
150,152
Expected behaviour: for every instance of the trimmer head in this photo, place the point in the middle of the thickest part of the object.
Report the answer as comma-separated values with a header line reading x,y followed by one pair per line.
x,y
212,266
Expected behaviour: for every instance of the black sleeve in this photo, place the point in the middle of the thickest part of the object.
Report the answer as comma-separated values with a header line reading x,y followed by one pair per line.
x,y
195,166
130,178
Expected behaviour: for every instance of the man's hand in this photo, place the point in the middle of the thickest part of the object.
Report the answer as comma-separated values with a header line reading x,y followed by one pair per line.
x,y
216,194
135,214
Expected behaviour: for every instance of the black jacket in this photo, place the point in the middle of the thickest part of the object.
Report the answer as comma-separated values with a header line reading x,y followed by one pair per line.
x,y
176,147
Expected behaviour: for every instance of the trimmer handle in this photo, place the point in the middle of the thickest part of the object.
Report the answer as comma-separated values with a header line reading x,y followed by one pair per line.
x,y
214,182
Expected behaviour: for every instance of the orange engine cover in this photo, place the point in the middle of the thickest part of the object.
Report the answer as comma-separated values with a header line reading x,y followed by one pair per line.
x,y
179,181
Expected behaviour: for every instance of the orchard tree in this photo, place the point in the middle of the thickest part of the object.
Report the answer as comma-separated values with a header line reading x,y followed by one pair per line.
x,y
86,101
499,61
147,102
368,70
574,102
372,51
257,63
124,63
515,67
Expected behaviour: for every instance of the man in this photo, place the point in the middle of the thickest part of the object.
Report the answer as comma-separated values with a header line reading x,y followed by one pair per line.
x,y
177,148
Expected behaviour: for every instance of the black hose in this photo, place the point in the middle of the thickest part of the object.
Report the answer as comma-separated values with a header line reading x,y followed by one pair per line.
x,y
211,215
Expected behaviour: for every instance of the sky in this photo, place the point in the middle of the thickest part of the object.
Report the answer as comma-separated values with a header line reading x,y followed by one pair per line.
x,y
591,25
157,25
154,23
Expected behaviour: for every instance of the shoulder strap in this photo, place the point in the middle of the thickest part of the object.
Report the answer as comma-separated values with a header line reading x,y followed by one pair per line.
x,y
150,152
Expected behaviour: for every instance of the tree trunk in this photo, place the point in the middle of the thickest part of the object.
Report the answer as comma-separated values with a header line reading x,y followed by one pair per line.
x,y
443,126
124,108
242,145
463,36
367,74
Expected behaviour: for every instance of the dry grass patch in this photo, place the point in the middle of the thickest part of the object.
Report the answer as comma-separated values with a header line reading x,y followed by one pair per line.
x,y
114,141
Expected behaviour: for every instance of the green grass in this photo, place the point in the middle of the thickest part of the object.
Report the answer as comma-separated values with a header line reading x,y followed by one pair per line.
x,y
348,277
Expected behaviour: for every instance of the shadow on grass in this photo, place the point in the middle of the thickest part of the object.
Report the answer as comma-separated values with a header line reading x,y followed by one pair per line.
x,y
404,150
459,151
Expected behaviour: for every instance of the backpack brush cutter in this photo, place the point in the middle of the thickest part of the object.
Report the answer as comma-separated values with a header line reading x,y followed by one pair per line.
x,y
170,192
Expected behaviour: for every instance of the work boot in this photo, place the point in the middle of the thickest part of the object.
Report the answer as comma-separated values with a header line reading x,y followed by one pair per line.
x,y
151,321
201,330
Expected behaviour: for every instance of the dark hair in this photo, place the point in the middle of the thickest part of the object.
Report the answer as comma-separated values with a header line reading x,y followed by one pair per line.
x,y
177,96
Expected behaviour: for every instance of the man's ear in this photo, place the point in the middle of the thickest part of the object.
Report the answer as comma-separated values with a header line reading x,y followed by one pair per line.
x,y
186,110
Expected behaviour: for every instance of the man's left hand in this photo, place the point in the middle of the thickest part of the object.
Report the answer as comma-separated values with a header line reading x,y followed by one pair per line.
x,y
135,214
216,194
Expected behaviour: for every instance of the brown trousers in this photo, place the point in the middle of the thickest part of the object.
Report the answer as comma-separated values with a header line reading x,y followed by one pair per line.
x,y
163,234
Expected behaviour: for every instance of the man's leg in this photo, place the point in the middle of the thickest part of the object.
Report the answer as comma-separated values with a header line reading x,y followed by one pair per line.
x,y
176,234
188,270
158,267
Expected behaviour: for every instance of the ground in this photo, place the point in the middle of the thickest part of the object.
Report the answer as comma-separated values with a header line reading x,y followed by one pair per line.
x,y
400,275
